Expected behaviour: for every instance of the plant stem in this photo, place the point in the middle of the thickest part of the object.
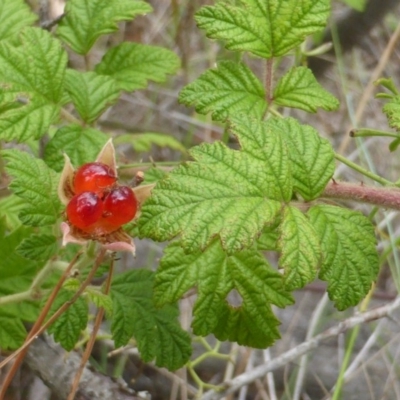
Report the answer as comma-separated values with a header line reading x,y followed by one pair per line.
x,y
364,132
382,197
363,171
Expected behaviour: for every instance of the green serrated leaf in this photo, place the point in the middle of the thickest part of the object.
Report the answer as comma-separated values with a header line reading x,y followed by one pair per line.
x,y
229,89
10,207
268,240
312,157
68,326
82,145
300,249
91,93
86,20
35,183
31,76
298,88
143,142
265,28
216,274
39,247
132,65
392,111
14,15
157,331
100,299
12,332
350,260
229,193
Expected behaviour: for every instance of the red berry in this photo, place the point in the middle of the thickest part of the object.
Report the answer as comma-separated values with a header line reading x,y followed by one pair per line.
x,y
94,177
84,210
120,206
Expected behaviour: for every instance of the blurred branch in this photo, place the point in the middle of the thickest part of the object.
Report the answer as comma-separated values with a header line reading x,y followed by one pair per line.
x,y
246,378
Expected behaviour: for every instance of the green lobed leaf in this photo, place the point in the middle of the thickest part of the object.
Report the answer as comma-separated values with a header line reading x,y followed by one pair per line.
x,y
31,78
14,16
265,28
153,175
157,331
143,142
312,157
12,331
82,145
300,249
216,274
90,93
132,65
86,20
229,89
68,326
35,183
392,111
100,299
298,88
229,193
38,247
350,261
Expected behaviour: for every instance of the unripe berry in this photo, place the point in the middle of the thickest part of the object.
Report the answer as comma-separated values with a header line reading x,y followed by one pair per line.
x,y
84,210
94,177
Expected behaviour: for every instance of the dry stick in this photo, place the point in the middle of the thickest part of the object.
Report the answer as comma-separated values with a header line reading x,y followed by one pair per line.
x,y
63,308
367,93
90,343
290,355
36,326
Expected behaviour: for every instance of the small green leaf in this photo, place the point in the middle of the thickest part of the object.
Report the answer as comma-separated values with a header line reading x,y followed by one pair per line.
x,y
392,111
100,299
12,332
14,15
10,207
132,65
68,326
143,142
229,89
31,76
298,88
300,249
38,247
358,5
312,157
350,261
265,28
86,20
394,144
91,93
229,193
153,175
216,274
80,143
157,331
37,184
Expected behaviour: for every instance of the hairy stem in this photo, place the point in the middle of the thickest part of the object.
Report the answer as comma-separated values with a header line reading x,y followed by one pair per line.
x,y
382,197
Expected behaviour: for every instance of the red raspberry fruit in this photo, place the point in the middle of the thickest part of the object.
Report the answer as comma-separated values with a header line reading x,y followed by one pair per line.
x,y
84,210
94,177
120,206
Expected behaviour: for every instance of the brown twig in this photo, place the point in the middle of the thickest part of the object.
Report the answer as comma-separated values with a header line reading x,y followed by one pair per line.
x,y
90,343
20,353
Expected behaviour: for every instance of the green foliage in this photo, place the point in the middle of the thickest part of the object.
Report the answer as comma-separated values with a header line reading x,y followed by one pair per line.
x,y
91,93
32,71
229,89
10,207
392,111
68,327
156,331
35,183
358,5
265,28
142,142
132,65
12,332
38,247
82,145
14,16
350,261
298,88
216,274
86,20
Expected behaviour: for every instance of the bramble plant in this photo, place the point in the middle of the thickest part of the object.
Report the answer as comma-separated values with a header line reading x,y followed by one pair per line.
x,y
221,210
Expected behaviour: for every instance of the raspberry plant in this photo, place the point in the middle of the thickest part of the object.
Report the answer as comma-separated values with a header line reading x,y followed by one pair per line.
x,y
221,210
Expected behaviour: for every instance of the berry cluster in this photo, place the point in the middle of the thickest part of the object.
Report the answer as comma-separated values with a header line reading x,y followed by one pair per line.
x,y
99,206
